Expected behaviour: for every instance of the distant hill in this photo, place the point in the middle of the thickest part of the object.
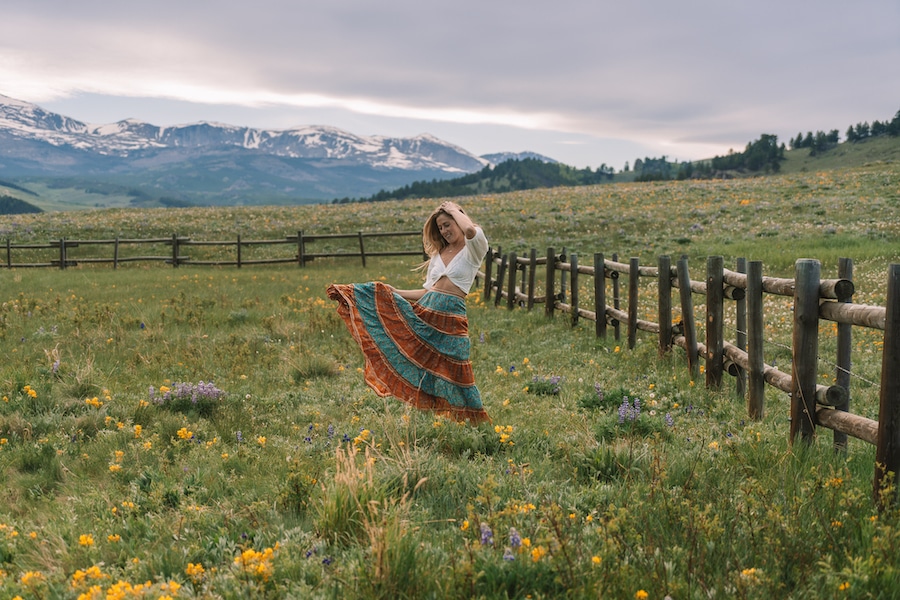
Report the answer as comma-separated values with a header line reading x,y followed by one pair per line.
x,y
15,206
501,157
215,164
508,176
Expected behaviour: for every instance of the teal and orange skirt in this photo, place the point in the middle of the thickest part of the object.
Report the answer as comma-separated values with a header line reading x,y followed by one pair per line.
x,y
417,352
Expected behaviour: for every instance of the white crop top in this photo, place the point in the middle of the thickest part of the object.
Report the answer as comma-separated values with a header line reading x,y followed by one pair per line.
x,y
463,267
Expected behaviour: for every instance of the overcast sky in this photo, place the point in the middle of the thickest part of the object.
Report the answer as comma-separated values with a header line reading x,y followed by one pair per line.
x,y
582,81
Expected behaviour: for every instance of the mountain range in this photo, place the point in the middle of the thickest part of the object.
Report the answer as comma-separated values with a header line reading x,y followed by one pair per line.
x,y
216,164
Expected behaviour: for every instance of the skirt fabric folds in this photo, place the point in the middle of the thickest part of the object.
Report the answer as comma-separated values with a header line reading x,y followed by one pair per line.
x,y
416,352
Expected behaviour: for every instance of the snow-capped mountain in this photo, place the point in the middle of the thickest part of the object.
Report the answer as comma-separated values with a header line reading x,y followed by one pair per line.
x,y
306,163
31,122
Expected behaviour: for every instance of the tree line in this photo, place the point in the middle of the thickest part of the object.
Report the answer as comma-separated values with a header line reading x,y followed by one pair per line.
x,y
821,141
508,176
763,155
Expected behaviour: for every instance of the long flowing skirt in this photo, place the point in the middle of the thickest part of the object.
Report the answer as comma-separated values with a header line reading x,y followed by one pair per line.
x,y
417,352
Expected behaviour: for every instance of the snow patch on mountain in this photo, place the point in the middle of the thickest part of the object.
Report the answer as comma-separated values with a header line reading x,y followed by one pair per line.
x,y
30,122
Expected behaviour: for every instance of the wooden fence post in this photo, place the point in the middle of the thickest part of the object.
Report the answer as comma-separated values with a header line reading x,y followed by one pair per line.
x,y
116,254
687,316
633,286
562,277
599,295
532,267
887,454
664,282
573,278
301,260
715,300
62,253
362,249
488,270
740,379
616,298
550,302
175,250
8,254
511,288
756,386
239,251
805,349
844,346
501,273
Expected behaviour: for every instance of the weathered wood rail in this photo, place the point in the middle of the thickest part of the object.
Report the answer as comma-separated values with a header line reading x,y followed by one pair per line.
x,y
60,253
814,299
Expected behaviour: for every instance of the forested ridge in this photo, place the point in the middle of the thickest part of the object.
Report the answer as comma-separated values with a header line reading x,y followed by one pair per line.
x,y
761,156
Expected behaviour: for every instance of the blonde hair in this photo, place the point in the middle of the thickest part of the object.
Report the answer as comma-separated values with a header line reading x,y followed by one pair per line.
x,y
432,240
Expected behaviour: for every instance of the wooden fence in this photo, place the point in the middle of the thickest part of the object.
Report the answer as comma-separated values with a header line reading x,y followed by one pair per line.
x,y
814,299
65,253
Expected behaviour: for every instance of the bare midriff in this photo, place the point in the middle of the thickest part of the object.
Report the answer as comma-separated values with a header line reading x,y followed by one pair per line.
x,y
445,286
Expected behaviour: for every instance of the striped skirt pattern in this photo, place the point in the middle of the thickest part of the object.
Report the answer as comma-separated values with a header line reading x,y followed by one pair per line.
x,y
416,352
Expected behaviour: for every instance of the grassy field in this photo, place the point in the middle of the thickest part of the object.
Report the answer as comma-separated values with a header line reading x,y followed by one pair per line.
x,y
288,478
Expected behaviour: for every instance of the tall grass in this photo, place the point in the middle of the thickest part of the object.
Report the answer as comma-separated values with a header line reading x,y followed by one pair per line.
x,y
605,472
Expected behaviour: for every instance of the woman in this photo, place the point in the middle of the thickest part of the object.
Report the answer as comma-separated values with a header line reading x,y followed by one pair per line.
x,y
416,342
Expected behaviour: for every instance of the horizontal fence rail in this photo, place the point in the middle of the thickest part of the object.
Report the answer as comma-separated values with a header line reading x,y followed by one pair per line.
x,y
65,253
513,278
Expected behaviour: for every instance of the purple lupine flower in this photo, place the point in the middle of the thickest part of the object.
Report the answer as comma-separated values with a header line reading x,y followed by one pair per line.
x,y
515,540
623,411
487,536
508,555
670,422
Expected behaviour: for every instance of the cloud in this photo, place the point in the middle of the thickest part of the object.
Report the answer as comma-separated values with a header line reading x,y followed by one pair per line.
x,y
693,76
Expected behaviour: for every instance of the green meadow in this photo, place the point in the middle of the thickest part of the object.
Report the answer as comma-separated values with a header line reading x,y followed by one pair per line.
x,y
205,432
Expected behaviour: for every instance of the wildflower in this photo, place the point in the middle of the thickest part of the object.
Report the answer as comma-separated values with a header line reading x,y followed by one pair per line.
x,y
112,539
596,560
670,422
31,578
844,586
515,540
508,555
714,446
465,525
115,468
86,539
137,431
195,572
261,440
538,553
487,536
184,433
363,436
641,595
148,445
629,412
